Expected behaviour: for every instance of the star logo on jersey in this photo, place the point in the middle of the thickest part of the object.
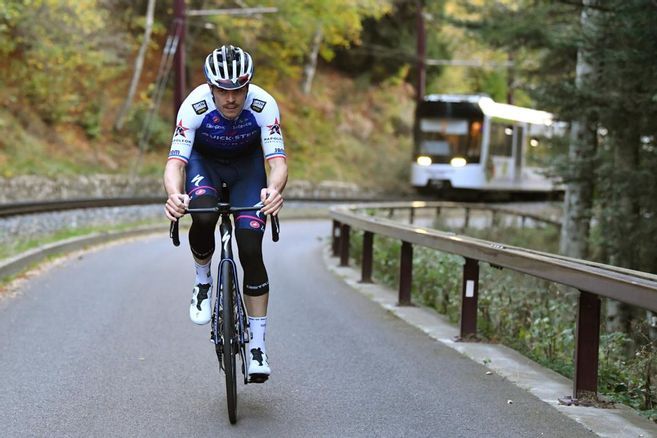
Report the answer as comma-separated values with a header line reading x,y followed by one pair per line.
x,y
180,130
274,128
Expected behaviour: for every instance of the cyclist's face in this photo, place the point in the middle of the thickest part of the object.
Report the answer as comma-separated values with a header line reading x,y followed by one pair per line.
x,y
230,102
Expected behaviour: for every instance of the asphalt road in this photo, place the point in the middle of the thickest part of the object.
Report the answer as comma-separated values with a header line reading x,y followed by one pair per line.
x,y
101,345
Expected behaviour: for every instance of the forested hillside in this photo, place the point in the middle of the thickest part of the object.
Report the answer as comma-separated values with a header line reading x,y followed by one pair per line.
x,y
69,65
342,71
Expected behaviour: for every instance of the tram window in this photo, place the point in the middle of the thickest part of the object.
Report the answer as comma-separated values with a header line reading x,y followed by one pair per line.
x,y
501,140
450,137
435,147
445,126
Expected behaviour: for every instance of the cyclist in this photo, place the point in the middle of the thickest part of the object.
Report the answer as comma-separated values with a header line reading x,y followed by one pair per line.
x,y
226,129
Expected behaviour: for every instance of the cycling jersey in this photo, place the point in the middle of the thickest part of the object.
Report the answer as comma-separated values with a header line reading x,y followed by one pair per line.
x,y
201,127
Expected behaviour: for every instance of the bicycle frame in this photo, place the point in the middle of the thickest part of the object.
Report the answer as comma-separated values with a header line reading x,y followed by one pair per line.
x,y
226,232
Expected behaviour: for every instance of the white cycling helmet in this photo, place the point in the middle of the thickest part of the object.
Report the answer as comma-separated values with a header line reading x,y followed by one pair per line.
x,y
228,67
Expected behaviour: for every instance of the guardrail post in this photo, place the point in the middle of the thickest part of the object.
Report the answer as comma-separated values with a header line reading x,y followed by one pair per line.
x,y
366,271
493,218
411,215
466,220
344,244
585,382
405,274
335,242
469,298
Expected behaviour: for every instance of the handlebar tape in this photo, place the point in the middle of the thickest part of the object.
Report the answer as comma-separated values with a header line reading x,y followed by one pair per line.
x,y
173,233
275,228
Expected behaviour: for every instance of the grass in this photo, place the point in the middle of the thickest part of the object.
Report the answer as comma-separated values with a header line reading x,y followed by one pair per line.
x,y
19,246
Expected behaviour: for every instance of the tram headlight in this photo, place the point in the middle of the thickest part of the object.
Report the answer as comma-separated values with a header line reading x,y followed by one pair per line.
x,y
423,160
458,162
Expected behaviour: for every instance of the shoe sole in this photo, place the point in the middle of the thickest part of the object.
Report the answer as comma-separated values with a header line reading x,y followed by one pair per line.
x,y
258,378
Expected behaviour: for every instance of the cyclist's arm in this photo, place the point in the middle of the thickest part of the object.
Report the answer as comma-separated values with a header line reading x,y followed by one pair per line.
x,y
174,181
189,118
271,136
272,195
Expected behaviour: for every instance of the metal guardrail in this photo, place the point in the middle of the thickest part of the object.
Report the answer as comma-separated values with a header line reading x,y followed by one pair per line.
x,y
20,208
593,280
467,208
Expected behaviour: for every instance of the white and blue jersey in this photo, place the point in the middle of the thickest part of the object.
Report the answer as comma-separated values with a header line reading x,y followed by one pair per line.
x,y
202,128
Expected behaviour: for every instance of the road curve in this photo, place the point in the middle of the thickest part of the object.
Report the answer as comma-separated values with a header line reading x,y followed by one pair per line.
x,y
101,345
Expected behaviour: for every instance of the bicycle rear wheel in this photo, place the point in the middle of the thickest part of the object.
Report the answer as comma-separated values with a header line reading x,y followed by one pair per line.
x,y
230,339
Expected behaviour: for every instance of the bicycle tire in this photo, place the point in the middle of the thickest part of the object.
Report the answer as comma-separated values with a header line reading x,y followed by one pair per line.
x,y
230,339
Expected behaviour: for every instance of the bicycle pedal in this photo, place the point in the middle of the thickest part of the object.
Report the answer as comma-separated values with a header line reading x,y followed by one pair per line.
x,y
258,378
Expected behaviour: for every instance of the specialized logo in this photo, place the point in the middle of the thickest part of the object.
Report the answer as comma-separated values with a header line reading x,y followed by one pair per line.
x,y
274,128
200,107
226,241
258,105
197,180
180,130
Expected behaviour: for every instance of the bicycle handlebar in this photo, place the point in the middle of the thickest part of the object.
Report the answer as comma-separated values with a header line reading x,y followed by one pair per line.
x,y
223,208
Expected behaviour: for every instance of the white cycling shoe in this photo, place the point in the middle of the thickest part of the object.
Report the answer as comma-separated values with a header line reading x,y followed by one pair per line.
x,y
259,370
199,309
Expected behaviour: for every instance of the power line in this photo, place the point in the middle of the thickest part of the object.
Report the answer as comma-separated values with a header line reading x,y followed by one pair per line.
x,y
386,52
236,11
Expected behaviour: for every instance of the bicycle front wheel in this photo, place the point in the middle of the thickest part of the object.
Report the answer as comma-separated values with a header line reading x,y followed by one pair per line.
x,y
230,339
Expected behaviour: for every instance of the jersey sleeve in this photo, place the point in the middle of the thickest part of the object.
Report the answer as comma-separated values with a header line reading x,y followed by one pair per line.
x,y
188,121
271,135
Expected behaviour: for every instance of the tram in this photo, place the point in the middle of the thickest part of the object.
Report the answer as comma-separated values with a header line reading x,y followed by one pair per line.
x,y
472,143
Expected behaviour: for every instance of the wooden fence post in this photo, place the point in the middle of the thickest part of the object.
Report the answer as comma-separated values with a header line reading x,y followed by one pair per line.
x,y
405,274
587,343
469,298
344,244
366,262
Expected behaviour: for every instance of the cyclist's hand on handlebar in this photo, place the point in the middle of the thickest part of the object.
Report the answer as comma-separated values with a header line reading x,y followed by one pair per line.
x,y
272,201
176,205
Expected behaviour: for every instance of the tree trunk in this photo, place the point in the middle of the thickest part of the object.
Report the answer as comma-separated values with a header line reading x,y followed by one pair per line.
x,y
311,65
624,214
579,190
139,64
510,77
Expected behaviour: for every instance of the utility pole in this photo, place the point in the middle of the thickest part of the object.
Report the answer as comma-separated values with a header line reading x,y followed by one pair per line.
x,y
179,57
421,52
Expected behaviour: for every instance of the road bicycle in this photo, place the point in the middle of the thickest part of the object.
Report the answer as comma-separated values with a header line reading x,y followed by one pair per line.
x,y
229,324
